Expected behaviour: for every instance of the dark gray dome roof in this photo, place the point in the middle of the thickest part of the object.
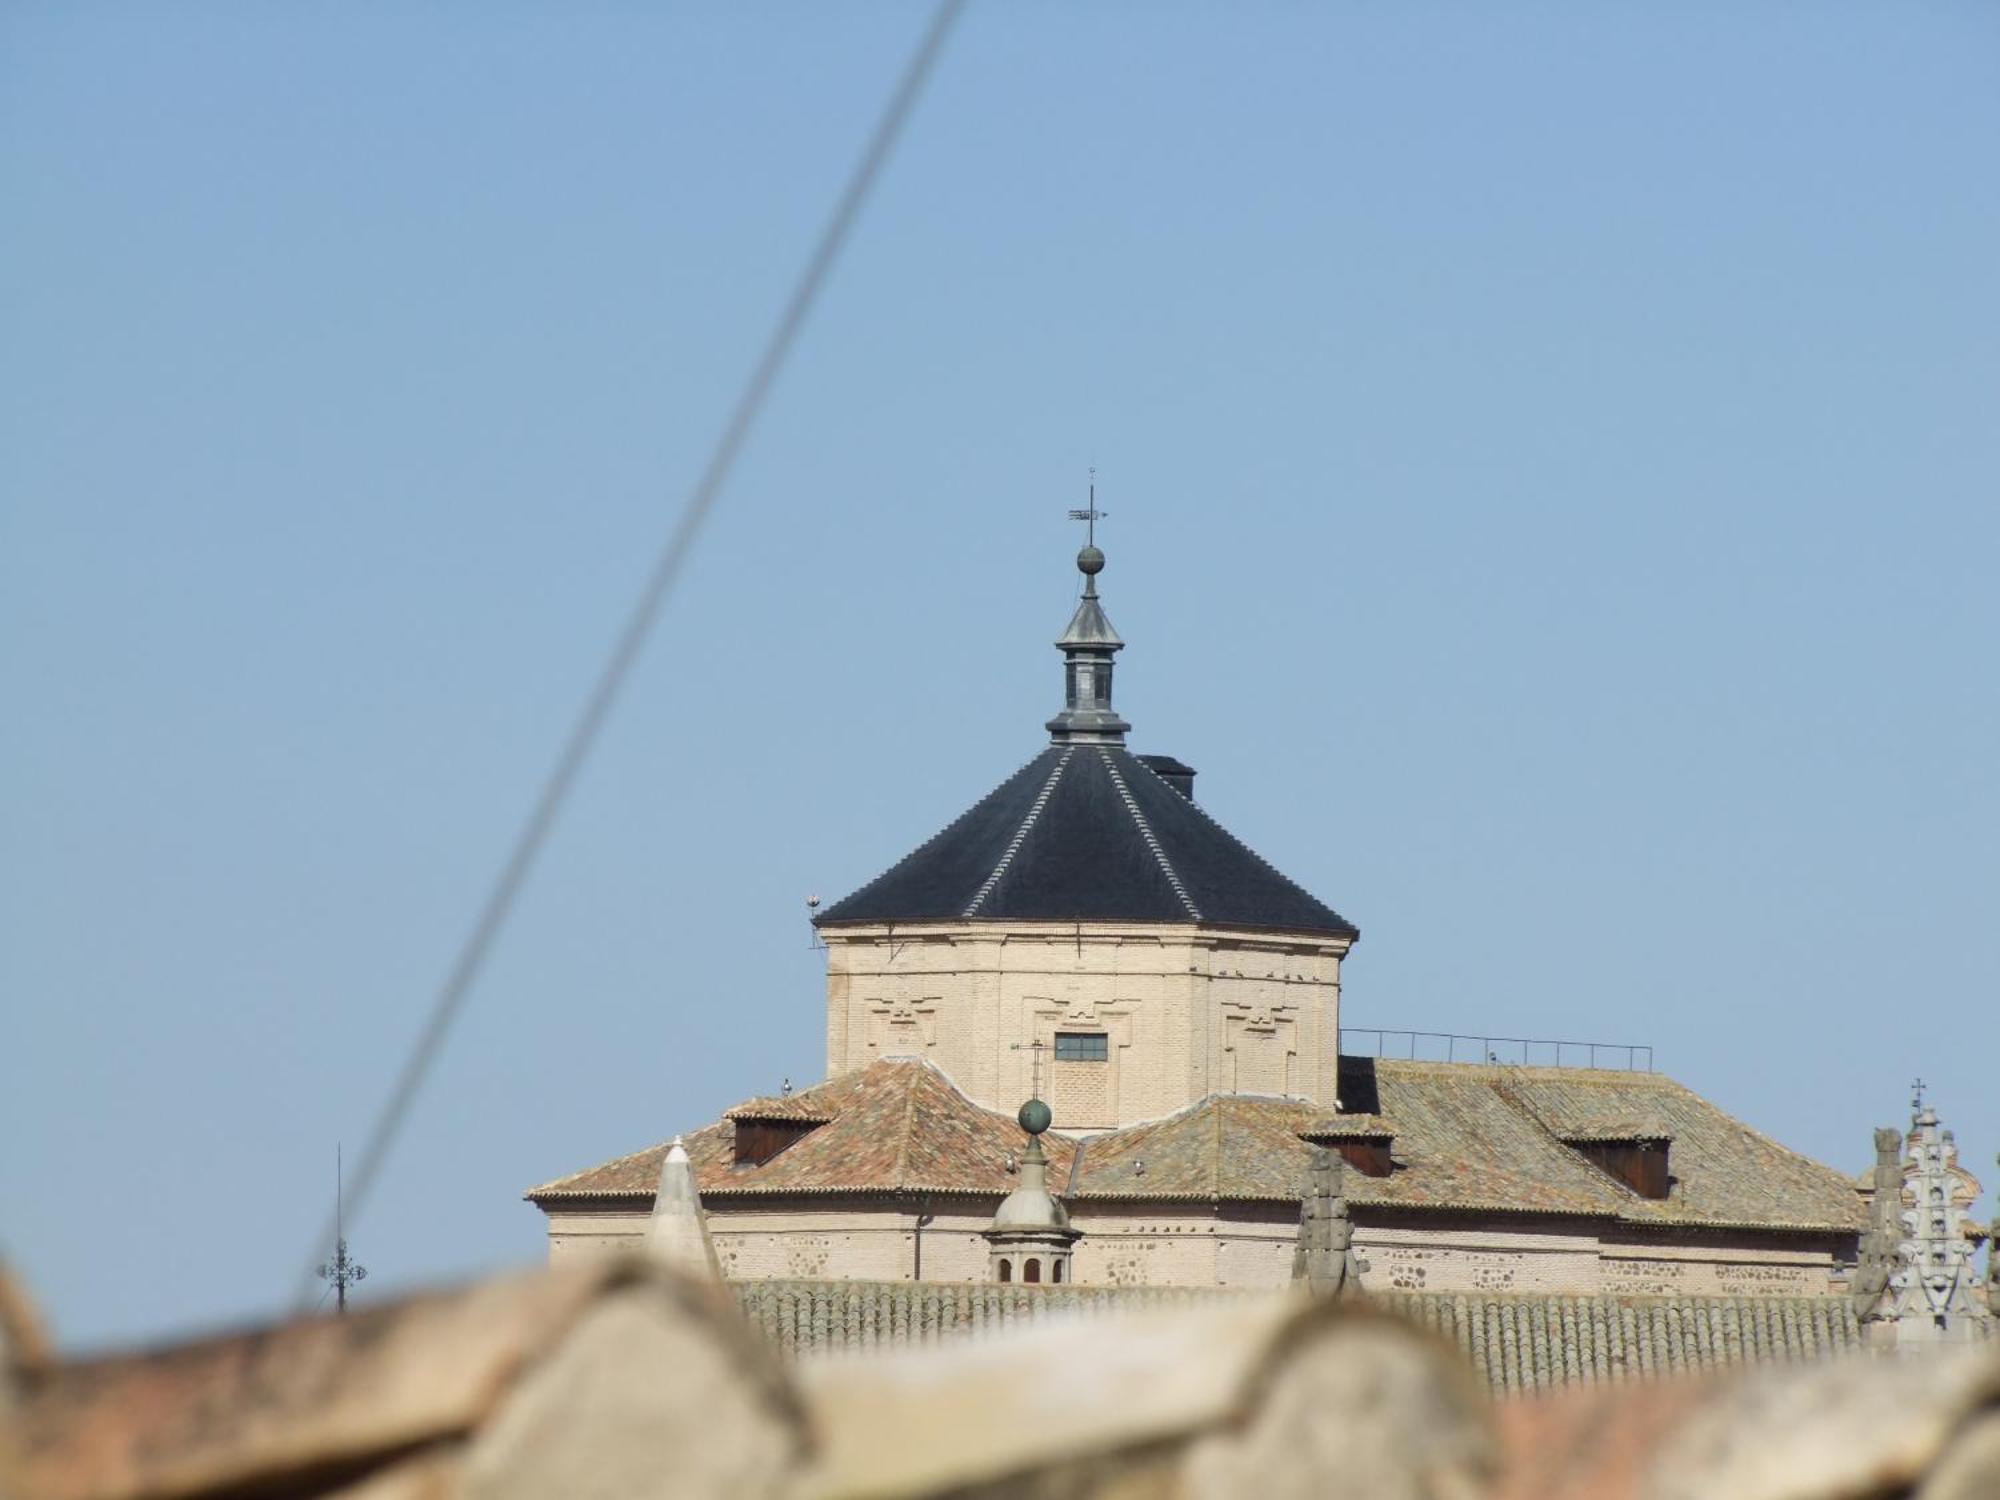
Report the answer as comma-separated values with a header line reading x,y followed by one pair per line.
x,y
1087,832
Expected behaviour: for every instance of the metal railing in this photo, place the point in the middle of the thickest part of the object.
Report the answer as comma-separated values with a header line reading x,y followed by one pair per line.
x,y
1517,1051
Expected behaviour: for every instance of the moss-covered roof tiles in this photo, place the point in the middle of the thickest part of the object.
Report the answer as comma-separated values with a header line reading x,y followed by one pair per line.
x,y
1477,1137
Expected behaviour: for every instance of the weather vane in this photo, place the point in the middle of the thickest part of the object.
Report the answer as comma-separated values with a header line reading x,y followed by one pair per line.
x,y
1090,514
343,1270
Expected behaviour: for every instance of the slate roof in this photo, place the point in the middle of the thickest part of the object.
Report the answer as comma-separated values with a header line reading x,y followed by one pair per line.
x,y
1087,832
1468,1137
1520,1341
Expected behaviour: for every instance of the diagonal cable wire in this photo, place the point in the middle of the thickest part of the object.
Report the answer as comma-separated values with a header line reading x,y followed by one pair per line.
x,y
666,572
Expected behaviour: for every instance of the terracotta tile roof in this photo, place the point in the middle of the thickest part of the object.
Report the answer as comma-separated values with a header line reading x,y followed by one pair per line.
x,y
1526,1341
1349,1128
1613,1131
1723,1171
1518,1341
1455,1147
1468,1136
309,1406
898,1125
779,1107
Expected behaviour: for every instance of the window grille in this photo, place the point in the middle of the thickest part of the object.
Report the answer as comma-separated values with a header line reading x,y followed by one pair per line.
x,y
1083,1046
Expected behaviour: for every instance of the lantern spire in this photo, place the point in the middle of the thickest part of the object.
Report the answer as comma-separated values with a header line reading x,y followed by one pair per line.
x,y
1088,646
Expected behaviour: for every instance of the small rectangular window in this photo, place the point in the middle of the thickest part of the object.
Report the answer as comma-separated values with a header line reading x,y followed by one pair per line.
x,y
1082,1046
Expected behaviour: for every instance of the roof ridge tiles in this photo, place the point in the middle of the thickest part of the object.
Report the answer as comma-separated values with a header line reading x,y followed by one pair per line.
x,y
1146,829
1075,1166
1021,834
555,1186
1215,1164
1071,836
1568,1073
1209,818
1748,1129
776,1107
934,839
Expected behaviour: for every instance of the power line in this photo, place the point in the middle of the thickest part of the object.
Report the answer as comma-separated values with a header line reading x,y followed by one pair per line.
x,y
695,509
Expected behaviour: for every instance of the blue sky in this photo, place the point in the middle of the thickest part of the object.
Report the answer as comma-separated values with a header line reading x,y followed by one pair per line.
x,y
1550,456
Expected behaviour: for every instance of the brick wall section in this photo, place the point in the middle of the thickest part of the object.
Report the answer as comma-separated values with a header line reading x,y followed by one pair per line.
x,y
1188,1011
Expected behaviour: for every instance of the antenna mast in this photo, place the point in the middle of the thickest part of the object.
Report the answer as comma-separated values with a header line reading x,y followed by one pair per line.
x,y
343,1271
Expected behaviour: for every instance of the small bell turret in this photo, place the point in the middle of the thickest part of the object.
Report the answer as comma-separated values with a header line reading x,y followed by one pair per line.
x,y
1031,1234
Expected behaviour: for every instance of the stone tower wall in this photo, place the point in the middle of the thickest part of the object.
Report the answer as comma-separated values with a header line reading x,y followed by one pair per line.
x,y
1186,1012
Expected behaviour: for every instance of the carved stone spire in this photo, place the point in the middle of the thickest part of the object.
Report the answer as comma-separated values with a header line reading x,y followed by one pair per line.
x,y
1931,1298
1324,1261
678,1230
1884,1232
1088,646
1993,1259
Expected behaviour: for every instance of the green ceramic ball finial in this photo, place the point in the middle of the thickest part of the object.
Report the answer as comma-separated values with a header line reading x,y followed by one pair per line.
x,y
1035,1117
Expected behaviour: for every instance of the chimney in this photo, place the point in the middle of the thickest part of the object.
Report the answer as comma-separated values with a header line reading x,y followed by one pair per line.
x,y
1176,774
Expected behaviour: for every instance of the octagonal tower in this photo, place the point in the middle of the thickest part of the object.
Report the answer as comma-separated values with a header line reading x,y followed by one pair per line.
x,y
1087,917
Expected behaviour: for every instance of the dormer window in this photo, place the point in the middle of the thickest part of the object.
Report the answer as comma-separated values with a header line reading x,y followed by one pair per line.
x,y
766,1128
1362,1141
1635,1157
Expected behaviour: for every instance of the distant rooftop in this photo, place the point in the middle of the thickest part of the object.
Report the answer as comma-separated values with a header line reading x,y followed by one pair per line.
x,y
1466,1136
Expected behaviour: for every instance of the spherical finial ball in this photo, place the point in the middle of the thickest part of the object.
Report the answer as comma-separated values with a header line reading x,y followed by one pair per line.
x,y
1035,1117
1090,560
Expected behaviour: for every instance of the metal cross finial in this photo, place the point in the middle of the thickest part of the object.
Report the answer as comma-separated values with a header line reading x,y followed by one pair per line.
x,y
1034,1051
1917,1095
1090,514
343,1271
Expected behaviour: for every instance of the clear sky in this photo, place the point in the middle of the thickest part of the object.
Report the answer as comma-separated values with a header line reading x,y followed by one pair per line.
x,y
1551,458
